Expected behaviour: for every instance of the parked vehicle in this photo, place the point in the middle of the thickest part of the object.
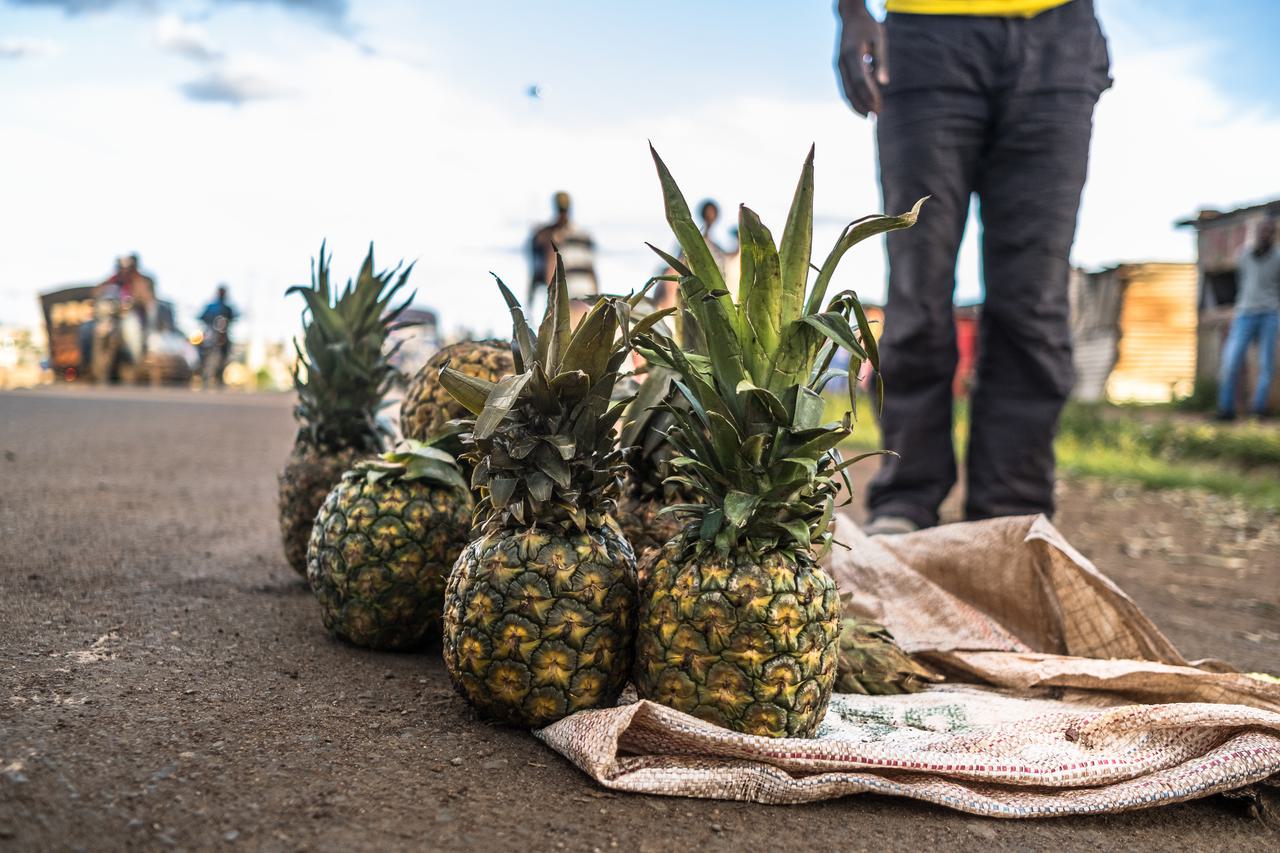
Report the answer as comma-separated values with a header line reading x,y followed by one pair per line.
x,y
85,333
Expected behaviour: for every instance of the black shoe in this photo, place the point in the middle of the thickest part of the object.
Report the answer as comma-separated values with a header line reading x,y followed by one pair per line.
x,y
1225,417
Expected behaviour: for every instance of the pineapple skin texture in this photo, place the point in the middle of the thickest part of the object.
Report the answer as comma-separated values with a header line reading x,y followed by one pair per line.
x,y
749,643
539,624
379,555
427,406
307,478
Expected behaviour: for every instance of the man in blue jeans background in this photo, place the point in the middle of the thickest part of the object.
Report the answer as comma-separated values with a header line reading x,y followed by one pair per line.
x,y
1257,318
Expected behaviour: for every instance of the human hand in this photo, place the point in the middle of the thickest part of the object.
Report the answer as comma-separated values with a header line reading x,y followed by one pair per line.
x,y
864,57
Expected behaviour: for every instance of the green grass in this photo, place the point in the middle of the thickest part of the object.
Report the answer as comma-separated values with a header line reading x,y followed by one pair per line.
x,y
1152,448
1174,439
1259,488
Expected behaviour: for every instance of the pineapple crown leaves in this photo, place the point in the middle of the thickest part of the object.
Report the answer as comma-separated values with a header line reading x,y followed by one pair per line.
x,y
643,435
640,423
542,439
418,460
343,373
752,441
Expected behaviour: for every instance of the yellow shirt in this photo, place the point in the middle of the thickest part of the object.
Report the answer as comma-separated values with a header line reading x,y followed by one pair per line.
x,y
996,8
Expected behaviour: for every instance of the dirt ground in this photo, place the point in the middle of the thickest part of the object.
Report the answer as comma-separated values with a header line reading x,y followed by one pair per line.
x,y
165,681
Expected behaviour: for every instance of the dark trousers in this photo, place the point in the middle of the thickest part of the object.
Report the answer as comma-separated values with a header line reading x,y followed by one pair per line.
x,y
1000,107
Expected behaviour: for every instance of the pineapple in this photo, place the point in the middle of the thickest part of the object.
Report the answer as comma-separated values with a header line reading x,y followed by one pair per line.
x,y
873,664
738,625
539,612
383,543
341,377
427,407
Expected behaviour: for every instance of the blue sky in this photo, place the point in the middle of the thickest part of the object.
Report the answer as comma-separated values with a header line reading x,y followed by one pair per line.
x,y
222,140
1241,37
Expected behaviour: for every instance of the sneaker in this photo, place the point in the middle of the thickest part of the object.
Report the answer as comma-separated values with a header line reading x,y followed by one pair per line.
x,y
888,525
1224,417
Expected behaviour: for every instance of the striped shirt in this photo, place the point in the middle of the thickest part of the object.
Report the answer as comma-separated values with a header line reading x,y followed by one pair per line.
x,y
578,251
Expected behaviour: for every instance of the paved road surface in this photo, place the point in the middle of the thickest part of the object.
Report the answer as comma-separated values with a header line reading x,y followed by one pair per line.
x,y
165,680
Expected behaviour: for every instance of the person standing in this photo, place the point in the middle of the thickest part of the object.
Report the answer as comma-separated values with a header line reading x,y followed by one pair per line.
x,y
576,248
1257,318
215,345
139,293
993,98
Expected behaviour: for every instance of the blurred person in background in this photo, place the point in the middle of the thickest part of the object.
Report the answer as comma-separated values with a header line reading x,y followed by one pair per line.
x,y
578,251
138,292
663,294
993,97
94,335
1257,318
215,342
709,213
124,311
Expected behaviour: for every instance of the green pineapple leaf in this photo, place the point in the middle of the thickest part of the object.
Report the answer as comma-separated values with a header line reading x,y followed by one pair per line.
x,y
416,460
797,244
760,291
499,403
799,531
809,409
592,344
855,232
868,339
701,262
526,350
738,507
470,391
655,388
554,334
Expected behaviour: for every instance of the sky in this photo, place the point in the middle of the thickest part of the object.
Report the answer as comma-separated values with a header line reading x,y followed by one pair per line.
x,y
222,140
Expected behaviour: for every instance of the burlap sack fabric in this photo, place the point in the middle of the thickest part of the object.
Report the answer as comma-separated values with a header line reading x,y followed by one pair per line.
x,y
1056,657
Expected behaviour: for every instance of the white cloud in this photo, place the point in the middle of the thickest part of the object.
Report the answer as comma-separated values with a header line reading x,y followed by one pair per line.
x,y
234,87
74,7
1166,143
28,48
184,38
332,9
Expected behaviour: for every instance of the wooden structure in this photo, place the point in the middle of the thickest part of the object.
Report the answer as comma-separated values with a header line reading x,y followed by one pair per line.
x,y
66,313
1095,331
1135,332
1220,237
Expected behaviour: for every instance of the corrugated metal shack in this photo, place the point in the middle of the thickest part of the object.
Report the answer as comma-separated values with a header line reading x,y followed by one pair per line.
x,y
1135,332
1220,237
